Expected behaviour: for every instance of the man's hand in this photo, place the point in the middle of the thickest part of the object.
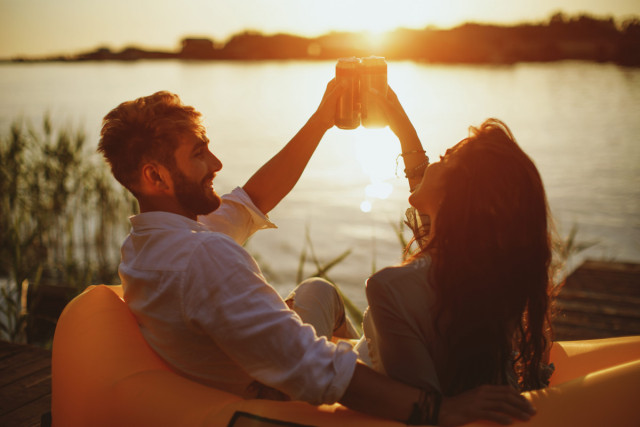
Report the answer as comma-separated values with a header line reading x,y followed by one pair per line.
x,y
326,112
273,181
500,404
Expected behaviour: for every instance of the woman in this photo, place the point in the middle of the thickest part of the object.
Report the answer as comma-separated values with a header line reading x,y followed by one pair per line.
x,y
471,307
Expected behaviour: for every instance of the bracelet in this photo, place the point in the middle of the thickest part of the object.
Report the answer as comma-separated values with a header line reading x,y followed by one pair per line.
x,y
412,152
417,171
406,154
426,410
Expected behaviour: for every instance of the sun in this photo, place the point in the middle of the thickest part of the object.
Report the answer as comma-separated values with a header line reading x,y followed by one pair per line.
x,y
376,18
376,39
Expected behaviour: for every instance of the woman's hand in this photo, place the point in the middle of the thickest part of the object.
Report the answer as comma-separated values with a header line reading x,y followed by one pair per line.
x,y
394,113
500,404
413,155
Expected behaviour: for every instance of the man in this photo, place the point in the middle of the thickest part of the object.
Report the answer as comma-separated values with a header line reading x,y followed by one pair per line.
x,y
200,298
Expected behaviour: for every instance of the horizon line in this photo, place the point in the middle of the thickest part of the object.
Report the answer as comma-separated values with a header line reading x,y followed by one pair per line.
x,y
618,22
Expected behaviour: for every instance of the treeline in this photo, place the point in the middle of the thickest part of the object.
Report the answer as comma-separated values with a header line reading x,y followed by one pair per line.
x,y
580,37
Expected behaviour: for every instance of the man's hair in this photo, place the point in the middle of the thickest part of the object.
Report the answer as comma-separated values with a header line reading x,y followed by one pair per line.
x,y
146,129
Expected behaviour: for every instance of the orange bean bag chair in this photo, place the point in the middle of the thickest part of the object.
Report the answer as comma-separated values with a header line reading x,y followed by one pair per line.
x,y
105,374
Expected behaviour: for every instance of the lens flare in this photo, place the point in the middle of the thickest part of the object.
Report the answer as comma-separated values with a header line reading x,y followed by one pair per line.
x,y
379,190
365,206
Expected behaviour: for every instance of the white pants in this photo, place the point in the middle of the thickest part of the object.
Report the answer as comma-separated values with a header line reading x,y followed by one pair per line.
x,y
319,304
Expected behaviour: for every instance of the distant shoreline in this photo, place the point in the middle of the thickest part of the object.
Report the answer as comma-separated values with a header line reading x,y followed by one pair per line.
x,y
561,38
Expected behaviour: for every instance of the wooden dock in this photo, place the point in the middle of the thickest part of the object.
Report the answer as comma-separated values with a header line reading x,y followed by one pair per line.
x,y
598,300
25,385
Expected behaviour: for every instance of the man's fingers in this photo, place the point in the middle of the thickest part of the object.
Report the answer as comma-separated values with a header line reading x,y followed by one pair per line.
x,y
500,404
334,89
507,401
508,408
523,404
515,399
496,417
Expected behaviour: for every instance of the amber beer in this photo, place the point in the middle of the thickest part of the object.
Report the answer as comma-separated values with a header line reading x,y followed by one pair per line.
x,y
373,74
348,107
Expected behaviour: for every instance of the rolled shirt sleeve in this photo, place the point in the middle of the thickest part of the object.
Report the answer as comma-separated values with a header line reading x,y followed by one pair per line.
x,y
237,217
247,318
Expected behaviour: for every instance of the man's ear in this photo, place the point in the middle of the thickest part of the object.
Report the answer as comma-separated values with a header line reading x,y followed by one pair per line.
x,y
155,177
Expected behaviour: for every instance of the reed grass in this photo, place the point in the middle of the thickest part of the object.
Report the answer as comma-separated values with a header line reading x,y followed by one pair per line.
x,y
322,270
61,217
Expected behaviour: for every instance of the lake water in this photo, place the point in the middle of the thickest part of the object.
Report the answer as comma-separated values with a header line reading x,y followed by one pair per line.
x,y
580,123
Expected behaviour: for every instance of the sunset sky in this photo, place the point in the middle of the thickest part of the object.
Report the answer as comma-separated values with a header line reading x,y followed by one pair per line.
x,y
43,27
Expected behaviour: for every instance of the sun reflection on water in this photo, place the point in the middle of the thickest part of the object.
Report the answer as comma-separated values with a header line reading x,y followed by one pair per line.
x,y
376,151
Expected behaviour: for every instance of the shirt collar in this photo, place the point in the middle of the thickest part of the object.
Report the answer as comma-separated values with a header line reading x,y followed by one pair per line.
x,y
164,220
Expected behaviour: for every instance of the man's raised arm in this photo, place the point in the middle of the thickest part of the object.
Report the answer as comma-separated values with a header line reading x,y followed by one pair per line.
x,y
273,181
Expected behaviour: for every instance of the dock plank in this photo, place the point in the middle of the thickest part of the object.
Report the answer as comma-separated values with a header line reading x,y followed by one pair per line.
x,y
25,384
599,300
29,415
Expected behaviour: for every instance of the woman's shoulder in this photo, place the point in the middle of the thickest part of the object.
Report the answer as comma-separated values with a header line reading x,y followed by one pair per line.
x,y
417,266
410,274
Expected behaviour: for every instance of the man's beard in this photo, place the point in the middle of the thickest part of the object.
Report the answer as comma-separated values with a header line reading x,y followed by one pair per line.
x,y
197,198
